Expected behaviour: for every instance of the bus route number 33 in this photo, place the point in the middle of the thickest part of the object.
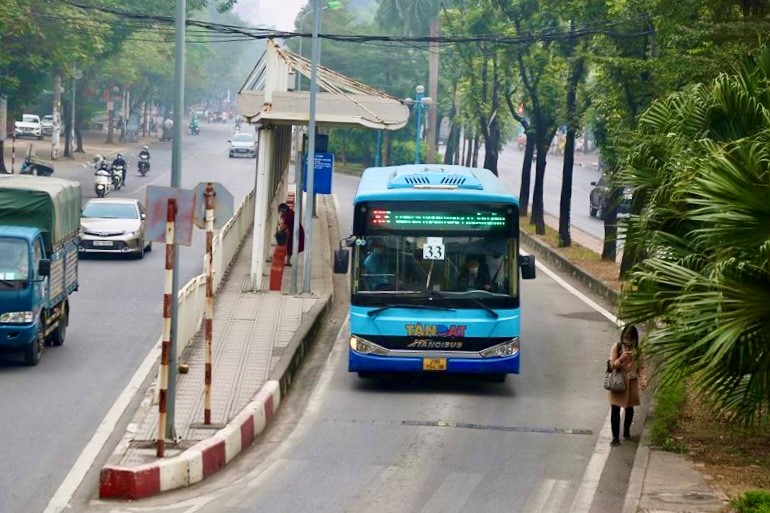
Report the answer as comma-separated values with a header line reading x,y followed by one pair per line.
x,y
433,249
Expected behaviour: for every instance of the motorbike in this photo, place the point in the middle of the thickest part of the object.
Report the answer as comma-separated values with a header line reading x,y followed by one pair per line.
x,y
144,164
117,177
103,183
194,130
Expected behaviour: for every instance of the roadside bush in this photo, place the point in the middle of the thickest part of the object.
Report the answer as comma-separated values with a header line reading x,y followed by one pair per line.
x,y
668,405
753,501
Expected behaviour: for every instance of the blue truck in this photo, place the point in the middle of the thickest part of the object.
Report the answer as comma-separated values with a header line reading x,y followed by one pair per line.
x,y
39,232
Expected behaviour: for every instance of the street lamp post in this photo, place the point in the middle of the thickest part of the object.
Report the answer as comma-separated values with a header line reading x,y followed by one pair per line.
x,y
330,5
419,103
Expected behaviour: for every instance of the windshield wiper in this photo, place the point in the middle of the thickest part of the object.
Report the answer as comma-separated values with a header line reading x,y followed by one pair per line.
x,y
490,311
376,311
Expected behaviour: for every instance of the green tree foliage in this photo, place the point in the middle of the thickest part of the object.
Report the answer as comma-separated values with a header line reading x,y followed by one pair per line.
x,y
703,237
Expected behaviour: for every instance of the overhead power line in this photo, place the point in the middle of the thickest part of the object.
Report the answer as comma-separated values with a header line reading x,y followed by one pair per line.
x,y
230,33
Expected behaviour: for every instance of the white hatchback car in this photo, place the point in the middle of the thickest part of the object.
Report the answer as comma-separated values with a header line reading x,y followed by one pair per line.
x,y
243,145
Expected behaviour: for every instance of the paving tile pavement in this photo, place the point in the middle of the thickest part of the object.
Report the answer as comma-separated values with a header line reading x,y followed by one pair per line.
x,y
253,334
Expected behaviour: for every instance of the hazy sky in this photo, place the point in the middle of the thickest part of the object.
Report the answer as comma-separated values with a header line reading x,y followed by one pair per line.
x,y
277,13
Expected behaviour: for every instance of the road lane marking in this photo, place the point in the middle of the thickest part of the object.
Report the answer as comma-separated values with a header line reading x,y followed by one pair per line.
x,y
85,461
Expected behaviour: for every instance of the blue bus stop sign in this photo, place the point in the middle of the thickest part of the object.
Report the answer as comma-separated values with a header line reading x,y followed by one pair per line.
x,y
322,179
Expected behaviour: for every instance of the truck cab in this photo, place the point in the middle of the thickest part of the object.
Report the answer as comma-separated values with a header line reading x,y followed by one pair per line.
x,y
23,289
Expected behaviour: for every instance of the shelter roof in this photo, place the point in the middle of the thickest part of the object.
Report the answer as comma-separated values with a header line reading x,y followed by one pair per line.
x,y
267,96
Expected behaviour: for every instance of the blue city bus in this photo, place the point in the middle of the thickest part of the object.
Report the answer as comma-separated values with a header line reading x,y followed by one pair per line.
x,y
435,272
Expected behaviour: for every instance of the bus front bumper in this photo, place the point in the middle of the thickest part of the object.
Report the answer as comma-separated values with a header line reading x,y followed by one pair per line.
x,y
358,362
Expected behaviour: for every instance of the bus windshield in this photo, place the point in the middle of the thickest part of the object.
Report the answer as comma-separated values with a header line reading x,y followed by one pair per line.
x,y
461,269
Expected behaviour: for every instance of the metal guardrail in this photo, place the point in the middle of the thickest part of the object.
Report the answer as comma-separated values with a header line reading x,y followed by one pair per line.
x,y
192,297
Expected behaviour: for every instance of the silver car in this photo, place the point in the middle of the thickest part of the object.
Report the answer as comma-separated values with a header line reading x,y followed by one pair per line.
x,y
113,225
243,145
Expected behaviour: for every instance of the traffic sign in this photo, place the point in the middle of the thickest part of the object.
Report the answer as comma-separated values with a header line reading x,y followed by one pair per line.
x,y
322,178
157,210
223,205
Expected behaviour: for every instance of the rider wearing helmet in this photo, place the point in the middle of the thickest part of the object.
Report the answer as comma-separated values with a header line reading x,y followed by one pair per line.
x,y
144,154
120,162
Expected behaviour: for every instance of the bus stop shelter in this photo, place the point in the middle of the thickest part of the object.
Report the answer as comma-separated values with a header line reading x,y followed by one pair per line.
x,y
269,101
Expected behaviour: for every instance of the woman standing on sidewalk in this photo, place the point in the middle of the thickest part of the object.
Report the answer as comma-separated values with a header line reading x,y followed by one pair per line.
x,y
625,357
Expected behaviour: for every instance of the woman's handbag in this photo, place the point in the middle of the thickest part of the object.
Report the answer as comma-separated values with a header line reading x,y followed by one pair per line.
x,y
614,380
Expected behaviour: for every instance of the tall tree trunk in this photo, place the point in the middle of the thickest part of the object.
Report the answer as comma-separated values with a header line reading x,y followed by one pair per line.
x,y
538,211
610,249
3,169
476,141
452,143
526,177
565,205
79,141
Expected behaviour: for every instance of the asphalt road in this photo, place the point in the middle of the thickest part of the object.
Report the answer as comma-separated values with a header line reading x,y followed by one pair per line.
x,y
533,444
50,412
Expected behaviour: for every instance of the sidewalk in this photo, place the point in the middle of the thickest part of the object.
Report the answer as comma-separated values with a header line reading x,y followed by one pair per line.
x,y
258,340
661,481
93,144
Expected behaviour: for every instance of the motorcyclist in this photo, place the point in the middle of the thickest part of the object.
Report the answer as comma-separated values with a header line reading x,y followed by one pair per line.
x,y
103,166
194,125
144,154
120,162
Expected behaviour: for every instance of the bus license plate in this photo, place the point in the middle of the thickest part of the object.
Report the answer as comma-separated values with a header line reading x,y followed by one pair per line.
x,y
434,364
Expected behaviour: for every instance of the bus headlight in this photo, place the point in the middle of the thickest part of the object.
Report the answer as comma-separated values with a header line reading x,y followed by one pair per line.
x,y
17,317
363,346
509,348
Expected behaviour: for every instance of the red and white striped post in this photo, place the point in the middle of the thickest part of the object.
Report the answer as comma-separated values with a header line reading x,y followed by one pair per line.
x,y
13,152
166,347
209,313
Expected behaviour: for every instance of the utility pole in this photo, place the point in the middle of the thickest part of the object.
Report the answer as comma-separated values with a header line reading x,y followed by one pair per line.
x,y
72,118
56,132
433,58
176,181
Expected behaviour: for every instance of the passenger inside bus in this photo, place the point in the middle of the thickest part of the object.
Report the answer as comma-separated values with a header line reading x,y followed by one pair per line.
x,y
474,276
377,273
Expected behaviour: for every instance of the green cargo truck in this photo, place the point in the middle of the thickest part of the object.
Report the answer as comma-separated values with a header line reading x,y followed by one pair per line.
x,y
39,231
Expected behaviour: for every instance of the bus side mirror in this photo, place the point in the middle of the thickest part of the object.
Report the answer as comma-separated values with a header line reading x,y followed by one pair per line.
x,y
527,266
341,260
44,267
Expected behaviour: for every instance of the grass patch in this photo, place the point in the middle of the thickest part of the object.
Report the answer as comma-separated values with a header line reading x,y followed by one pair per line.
x,y
668,407
586,259
753,501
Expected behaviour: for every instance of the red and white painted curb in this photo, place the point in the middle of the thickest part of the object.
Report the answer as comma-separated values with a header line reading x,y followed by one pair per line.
x,y
199,461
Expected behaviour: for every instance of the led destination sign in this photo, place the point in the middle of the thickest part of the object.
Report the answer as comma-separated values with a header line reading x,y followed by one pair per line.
x,y
459,218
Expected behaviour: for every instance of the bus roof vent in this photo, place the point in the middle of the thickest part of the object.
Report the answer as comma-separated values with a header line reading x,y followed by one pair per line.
x,y
432,179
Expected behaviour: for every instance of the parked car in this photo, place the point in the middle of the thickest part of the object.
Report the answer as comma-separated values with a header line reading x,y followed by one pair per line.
x,y
29,126
243,145
113,225
599,198
47,124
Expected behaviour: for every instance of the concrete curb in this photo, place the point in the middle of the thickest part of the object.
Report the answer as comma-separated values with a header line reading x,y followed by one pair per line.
x,y
208,456
197,462
593,284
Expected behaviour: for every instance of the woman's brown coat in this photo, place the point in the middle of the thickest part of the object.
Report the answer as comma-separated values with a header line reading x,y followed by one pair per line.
x,y
630,396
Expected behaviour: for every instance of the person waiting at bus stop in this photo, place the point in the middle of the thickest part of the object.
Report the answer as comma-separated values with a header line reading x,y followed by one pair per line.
x,y
376,268
474,276
284,234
